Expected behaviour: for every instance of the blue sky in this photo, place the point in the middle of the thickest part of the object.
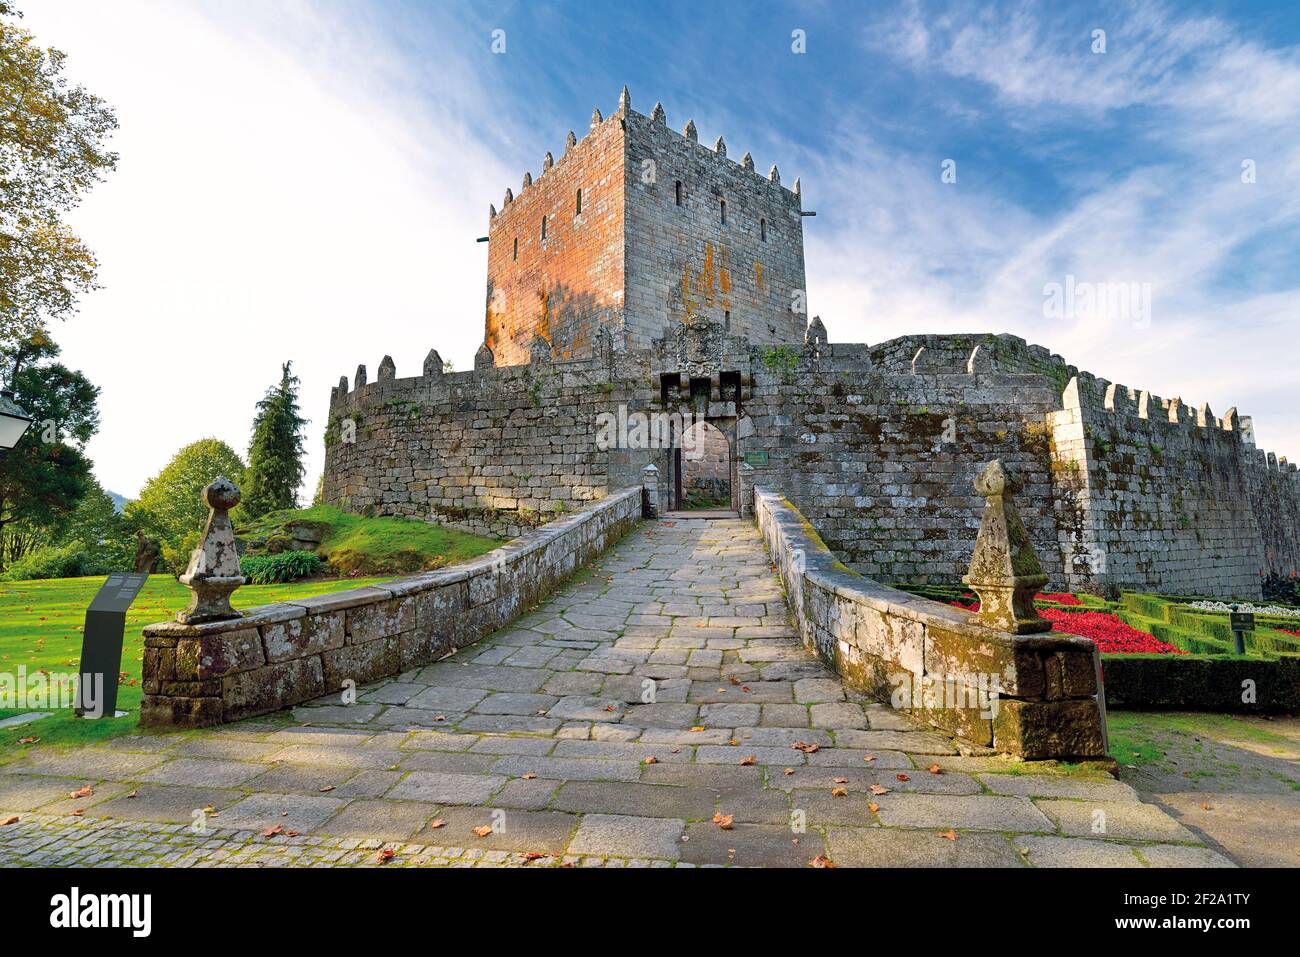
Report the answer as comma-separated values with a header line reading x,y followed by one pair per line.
x,y
305,180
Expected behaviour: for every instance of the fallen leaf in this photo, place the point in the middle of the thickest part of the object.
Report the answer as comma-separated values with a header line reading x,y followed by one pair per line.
x,y
609,707
868,757
839,780
935,769
133,794
9,820
529,776
746,761
735,680
821,860
839,792
290,833
734,742
437,822
949,835
651,759
902,777
877,790
384,856
1206,807
788,771
806,748
535,855
28,740
328,787
483,830
723,820
78,812
698,727
85,792
272,831
873,807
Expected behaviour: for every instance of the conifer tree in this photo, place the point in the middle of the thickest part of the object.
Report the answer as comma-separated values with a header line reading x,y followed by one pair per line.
x,y
275,468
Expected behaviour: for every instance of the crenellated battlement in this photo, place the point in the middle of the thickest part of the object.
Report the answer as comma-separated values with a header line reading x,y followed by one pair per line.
x,y
575,149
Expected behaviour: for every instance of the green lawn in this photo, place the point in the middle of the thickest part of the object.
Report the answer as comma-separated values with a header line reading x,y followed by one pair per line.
x,y
372,546
40,630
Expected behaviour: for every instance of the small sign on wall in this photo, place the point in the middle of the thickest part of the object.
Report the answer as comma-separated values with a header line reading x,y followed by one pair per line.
x,y
756,458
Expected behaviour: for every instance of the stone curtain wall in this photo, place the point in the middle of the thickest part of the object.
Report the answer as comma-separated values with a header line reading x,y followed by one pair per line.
x,y
889,644
683,261
565,286
882,463
493,451
1157,495
283,654
878,457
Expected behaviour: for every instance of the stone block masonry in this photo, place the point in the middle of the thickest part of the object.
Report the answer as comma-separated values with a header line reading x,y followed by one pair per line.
x,y
281,655
633,229
1033,696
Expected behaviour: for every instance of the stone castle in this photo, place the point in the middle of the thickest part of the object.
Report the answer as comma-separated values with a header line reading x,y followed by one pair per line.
x,y
644,277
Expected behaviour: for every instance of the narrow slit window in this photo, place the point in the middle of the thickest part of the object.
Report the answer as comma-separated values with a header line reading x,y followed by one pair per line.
x,y
578,204
726,319
543,227
515,253
762,230
678,188
722,212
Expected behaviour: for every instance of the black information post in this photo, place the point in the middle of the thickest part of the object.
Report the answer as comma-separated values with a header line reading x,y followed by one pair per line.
x,y
101,645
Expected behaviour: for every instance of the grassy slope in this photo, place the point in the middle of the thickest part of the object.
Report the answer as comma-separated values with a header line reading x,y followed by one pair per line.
x,y
377,545
40,628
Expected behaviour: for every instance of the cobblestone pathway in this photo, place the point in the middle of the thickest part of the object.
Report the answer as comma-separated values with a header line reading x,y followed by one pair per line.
x,y
659,689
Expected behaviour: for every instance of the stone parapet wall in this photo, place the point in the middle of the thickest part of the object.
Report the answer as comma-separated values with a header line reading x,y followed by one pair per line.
x,y
1154,494
280,655
927,659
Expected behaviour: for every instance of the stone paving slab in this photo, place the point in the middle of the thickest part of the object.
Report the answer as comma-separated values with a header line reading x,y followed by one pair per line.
x,y
542,737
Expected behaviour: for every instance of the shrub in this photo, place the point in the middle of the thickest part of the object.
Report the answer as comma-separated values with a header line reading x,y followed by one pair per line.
x,y
72,560
281,567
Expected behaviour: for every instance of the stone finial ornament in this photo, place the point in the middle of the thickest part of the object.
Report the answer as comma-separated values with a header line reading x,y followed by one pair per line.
x,y
484,360
547,161
1004,571
690,132
343,385
492,211
747,161
509,198
360,378
720,147
433,363
624,100
213,572
774,175
798,188
570,141
528,179
658,115
815,335
387,369
596,118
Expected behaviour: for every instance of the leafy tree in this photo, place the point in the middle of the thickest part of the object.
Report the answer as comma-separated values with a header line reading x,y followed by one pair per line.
x,y
47,475
171,506
52,149
275,468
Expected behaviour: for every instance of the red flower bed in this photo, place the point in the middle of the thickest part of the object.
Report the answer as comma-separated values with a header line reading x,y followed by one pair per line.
x,y
1290,632
1111,635
1060,597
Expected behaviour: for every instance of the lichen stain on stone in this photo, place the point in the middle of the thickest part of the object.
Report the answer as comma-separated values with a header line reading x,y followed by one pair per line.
x,y
758,275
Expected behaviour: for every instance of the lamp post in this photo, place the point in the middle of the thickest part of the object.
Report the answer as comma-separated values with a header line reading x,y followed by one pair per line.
x,y
14,421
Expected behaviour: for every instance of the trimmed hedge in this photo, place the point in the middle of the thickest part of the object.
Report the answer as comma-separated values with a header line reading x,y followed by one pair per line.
x,y
1202,683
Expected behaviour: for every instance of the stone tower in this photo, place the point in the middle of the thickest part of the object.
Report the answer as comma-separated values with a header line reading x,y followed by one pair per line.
x,y
636,228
